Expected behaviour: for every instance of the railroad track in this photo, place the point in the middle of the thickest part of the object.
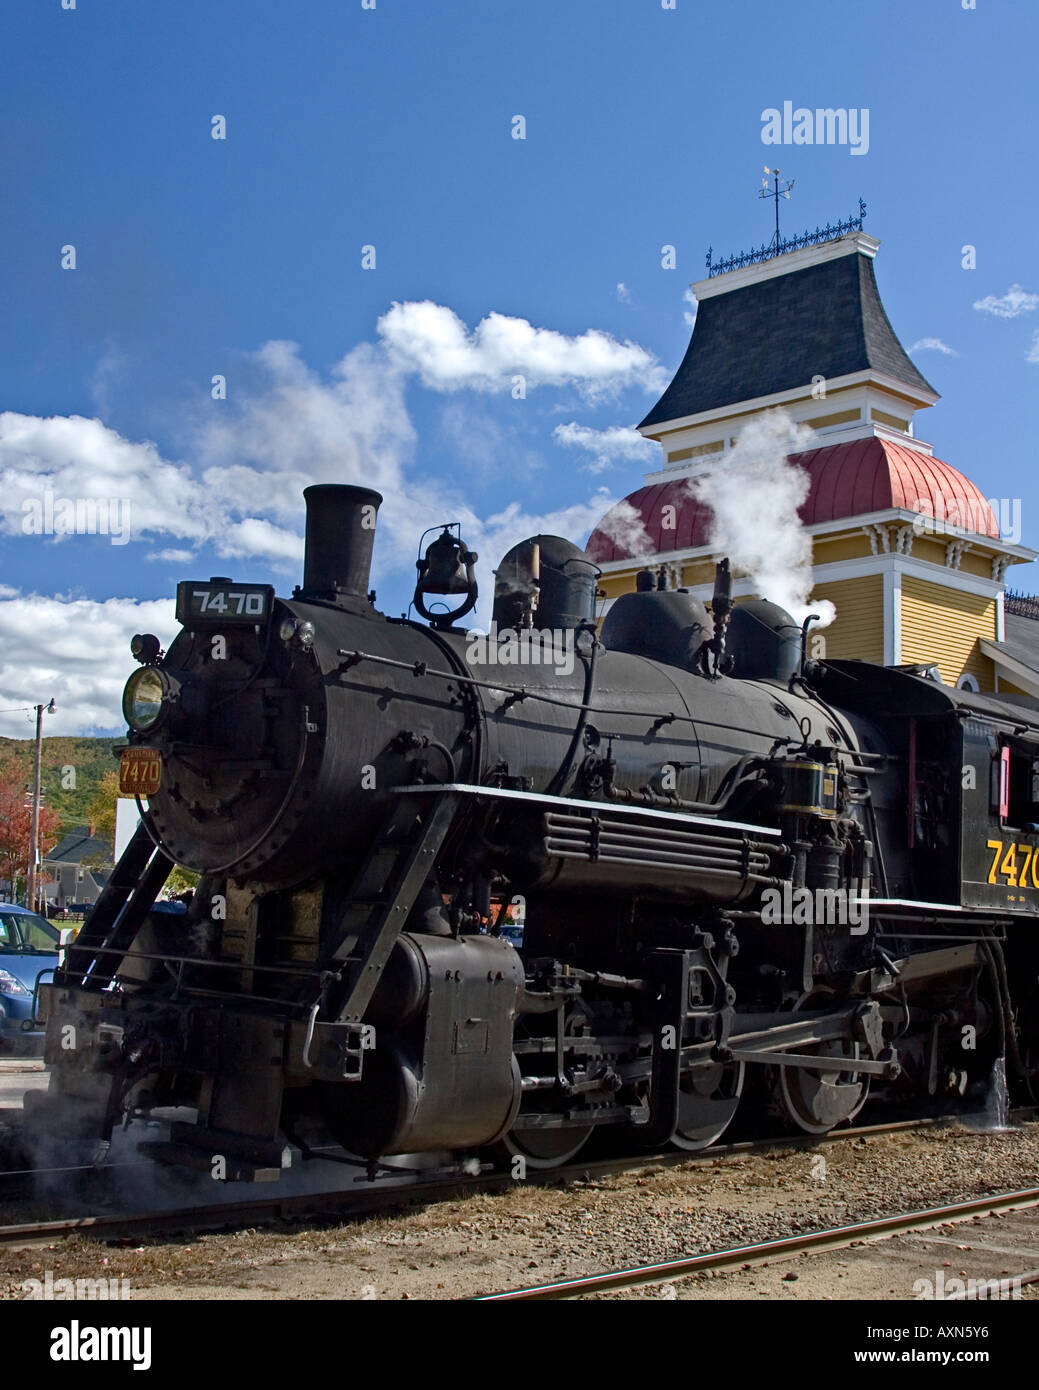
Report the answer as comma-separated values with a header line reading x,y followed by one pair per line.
x,y
739,1257
381,1196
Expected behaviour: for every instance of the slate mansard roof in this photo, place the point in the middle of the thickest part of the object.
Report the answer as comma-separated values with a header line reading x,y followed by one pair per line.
x,y
776,334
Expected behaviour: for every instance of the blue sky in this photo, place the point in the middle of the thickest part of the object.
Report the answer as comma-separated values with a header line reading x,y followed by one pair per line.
x,y
392,127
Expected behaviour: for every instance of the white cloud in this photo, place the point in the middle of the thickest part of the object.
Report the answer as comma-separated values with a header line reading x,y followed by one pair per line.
x,y
255,536
287,426
691,299
284,427
503,530
1016,301
255,457
485,443
1033,352
431,341
292,426
77,650
174,557
933,345
108,370
607,446
74,651
623,293
74,457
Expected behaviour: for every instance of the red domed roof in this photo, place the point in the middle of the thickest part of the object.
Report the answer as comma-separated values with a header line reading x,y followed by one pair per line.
x,y
853,479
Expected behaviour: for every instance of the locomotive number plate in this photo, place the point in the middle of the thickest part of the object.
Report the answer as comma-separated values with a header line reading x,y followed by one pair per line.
x,y
140,771
201,604
1015,865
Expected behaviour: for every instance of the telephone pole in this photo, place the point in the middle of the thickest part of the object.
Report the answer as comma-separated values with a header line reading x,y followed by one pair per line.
x,y
34,833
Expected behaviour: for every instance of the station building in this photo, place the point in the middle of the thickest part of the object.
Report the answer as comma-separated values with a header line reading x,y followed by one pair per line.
x,y
907,547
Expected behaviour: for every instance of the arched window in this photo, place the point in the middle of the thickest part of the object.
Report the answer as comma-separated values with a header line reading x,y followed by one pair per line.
x,y
968,682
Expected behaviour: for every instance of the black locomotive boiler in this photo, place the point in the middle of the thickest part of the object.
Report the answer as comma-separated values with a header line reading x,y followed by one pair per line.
x,y
742,875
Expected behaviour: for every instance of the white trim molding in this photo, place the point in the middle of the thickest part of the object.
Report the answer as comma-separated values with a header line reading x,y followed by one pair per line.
x,y
849,525
906,564
869,376
1024,677
892,616
787,264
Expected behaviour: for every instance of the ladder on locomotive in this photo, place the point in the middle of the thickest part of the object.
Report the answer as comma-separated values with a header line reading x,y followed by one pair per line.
x,y
116,917
382,894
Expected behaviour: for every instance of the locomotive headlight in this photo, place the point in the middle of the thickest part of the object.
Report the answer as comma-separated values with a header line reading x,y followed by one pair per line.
x,y
142,699
303,632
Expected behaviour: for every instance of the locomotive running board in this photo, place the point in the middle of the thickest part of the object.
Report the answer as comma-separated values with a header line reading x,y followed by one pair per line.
x,y
542,800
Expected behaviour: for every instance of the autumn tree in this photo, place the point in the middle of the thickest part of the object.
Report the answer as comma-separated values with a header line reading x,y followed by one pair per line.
x,y
101,812
16,827
181,879
102,818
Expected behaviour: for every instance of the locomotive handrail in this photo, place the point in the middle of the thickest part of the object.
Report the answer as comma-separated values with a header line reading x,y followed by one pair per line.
x,y
281,969
545,799
522,692
420,668
311,1021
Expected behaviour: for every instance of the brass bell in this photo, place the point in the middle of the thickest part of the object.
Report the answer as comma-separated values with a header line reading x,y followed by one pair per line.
x,y
443,571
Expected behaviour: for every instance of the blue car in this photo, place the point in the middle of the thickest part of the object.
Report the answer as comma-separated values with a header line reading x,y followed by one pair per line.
x,y
28,944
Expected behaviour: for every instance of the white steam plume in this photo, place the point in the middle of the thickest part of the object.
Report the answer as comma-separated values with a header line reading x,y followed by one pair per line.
x,y
623,525
755,496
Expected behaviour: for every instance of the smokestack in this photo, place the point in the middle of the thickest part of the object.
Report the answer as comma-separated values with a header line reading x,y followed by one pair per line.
x,y
337,560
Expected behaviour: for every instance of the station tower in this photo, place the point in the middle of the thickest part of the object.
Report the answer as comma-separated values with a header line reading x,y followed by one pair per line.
x,y
905,545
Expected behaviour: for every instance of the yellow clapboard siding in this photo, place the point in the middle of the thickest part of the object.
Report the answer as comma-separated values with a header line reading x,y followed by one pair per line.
x,y
943,625
613,585
857,633
827,550
929,549
698,572
980,565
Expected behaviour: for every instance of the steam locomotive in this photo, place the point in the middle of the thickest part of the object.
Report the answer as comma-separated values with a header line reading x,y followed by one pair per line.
x,y
732,865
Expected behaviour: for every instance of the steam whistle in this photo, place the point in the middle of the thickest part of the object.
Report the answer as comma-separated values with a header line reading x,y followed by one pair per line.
x,y
534,590
714,661
517,586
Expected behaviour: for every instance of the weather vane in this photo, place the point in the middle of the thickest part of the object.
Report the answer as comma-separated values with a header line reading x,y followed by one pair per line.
x,y
775,193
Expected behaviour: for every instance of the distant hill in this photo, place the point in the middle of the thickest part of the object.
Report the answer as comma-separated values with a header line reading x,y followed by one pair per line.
x,y
88,758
